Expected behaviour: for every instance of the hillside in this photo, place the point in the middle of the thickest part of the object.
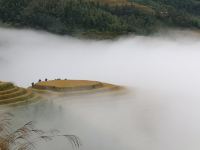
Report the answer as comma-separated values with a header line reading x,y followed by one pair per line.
x,y
100,18
11,94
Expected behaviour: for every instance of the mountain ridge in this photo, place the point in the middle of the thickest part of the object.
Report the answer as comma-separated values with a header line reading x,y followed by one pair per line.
x,y
100,18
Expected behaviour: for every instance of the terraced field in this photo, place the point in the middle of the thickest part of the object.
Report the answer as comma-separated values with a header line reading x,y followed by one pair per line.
x,y
11,94
72,87
14,95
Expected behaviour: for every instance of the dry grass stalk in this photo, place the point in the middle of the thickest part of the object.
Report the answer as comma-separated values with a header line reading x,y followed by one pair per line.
x,y
26,137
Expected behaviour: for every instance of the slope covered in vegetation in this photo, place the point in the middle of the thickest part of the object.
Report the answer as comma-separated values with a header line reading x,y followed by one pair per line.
x,y
11,94
106,18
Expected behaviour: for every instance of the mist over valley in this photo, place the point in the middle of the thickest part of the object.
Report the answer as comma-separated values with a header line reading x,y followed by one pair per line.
x,y
159,110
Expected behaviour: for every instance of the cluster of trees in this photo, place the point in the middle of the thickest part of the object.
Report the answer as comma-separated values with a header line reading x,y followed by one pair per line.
x,y
178,13
87,16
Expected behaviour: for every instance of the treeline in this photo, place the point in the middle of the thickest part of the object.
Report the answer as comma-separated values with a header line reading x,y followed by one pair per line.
x,y
177,13
76,17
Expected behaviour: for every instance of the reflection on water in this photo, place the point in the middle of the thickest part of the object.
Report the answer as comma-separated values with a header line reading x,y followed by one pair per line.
x,y
160,111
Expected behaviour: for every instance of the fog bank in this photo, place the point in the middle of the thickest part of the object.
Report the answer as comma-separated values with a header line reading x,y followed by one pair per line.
x,y
162,72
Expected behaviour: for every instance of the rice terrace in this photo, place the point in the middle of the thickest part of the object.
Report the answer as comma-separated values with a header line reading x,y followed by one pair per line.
x,y
13,95
27,136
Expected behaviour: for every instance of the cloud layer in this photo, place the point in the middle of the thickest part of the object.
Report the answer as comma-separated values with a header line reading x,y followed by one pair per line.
x,y
162,71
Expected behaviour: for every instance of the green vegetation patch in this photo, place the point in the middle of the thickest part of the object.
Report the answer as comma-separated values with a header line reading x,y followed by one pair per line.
x,y
100,17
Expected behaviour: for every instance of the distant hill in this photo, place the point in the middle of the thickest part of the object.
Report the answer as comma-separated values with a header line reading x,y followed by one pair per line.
x,y
100,18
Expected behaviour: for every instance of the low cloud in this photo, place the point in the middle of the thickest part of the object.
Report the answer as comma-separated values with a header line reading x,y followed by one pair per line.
x,y
162,71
